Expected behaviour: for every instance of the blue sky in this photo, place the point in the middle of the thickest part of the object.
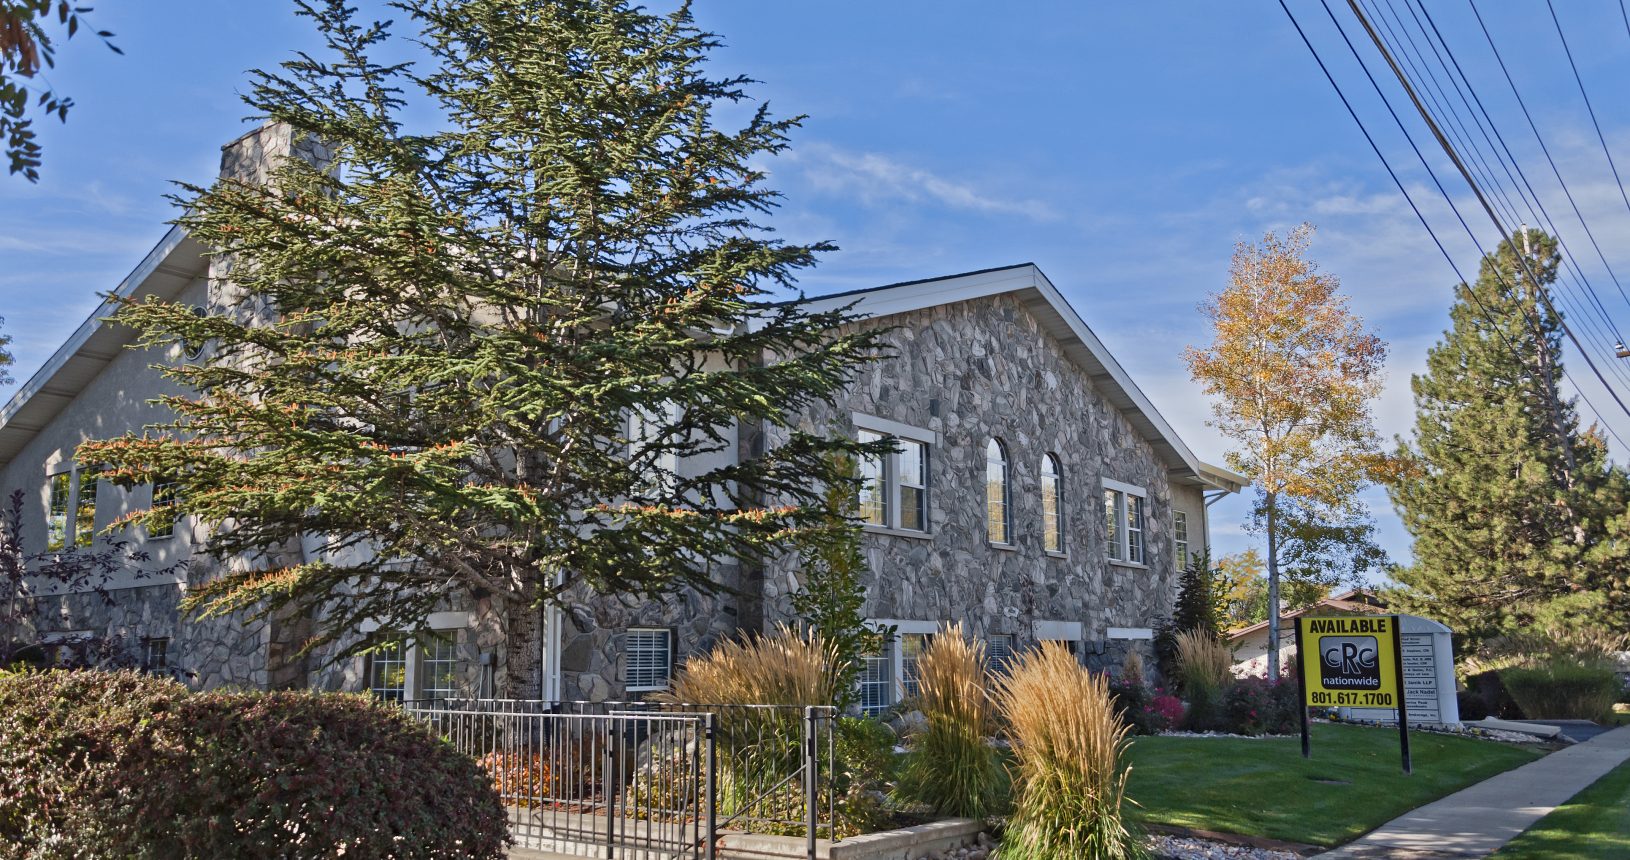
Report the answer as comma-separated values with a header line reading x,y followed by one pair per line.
x,y
1123,147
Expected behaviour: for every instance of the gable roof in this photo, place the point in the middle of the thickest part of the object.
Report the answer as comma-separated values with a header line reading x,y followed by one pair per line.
x,y
172,264
1026,283
1354,601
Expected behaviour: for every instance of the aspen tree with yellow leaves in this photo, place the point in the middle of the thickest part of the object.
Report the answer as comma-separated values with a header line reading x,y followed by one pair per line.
x,y
1292,373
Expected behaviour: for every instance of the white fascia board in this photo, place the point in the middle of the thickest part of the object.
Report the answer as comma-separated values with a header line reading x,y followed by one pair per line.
x,y
886,301
1129,633
903,626
76,341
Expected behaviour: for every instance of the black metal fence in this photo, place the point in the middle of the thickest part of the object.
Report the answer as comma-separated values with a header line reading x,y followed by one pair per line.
x,y
648,781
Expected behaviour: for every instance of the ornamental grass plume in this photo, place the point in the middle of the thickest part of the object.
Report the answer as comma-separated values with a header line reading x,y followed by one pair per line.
x,y
951,766
785,667
1068,750
1205,671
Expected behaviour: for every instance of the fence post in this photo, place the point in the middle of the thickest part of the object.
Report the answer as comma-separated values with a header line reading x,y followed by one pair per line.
x,y
812,758
608,789
712,784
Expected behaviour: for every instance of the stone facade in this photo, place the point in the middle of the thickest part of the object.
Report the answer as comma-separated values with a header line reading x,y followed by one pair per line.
x,y
964,370
969,372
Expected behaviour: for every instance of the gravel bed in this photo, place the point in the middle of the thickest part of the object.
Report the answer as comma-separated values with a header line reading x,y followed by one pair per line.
x,y
1191,848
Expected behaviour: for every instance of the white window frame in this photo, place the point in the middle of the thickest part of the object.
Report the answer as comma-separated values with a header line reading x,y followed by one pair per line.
x,y
1120,552
160,644
1052,467
628,653
1007,493
446,624
896,651
891,472
65,531
883,682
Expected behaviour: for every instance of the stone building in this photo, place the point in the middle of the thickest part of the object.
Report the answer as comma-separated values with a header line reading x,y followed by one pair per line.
x,y
1036,495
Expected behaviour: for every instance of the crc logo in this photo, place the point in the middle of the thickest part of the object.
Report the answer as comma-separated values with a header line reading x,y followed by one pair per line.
x,y
1350,662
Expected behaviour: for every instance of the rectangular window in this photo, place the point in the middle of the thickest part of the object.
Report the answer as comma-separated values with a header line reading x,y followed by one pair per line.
x,y
1180,538
894,486
56,526
876,687
387,671
164,499
874,484
85,507
1124,525
649,657
1134,529
913,483
1112,520
912,646
438,666
156,655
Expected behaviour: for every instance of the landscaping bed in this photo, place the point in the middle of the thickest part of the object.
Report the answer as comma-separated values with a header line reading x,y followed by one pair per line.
x,y
1594,825
1263,787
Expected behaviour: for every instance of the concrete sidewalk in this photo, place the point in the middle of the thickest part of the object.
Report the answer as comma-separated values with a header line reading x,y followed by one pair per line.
x,y
1476,821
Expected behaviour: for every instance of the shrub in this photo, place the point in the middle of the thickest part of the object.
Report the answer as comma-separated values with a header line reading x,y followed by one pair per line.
x,y
1145,710
1205,669
1068,750
1563,690
760,747
1471,705
1258,706
951,767
158,772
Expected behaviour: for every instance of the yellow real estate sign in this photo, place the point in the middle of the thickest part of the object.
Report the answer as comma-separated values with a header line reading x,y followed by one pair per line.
x,y
1349,661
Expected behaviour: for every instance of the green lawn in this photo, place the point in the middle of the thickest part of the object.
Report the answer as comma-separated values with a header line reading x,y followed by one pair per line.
x,y
1353,783
1594,825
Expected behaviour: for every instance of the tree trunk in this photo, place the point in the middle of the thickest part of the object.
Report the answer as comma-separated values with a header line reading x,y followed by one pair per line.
x,y
1273,586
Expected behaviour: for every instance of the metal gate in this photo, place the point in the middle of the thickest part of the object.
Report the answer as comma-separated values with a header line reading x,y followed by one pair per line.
x,y
644,781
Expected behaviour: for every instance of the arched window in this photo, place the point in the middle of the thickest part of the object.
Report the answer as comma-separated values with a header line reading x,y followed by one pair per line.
x,y
998,527
1052,504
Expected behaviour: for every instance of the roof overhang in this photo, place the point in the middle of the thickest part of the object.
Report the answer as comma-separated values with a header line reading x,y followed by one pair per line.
x,y
172,264
1027,284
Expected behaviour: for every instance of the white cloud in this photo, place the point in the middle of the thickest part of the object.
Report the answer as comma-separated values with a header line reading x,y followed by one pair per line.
x,y
875,179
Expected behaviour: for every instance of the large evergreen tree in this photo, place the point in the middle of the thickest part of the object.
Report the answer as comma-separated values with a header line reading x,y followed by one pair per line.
x,y
479,349
1517,516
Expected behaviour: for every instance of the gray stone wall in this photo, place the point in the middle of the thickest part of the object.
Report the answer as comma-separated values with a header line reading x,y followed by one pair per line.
x,y
970,371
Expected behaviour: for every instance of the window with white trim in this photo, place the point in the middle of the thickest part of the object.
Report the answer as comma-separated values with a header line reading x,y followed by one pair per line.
x,y
85,506
438,666
58,487
164,500
387,670
876,682
1180,538
1124,507
894,487
647,659
912,646
874,483
1052,504
998,495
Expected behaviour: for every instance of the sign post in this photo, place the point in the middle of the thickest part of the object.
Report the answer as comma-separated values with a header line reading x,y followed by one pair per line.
x,y
1354,661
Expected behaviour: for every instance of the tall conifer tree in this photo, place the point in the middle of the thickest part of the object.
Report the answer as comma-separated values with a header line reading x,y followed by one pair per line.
x,y
530,287
1517,516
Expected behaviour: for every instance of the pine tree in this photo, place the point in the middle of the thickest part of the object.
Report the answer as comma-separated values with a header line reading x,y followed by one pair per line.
x,y
1517,516
477,353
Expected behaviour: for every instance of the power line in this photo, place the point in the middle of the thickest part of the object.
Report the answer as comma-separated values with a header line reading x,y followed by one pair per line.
x,y
1571,269
1454,158
1588,108
1408,198
1539,138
